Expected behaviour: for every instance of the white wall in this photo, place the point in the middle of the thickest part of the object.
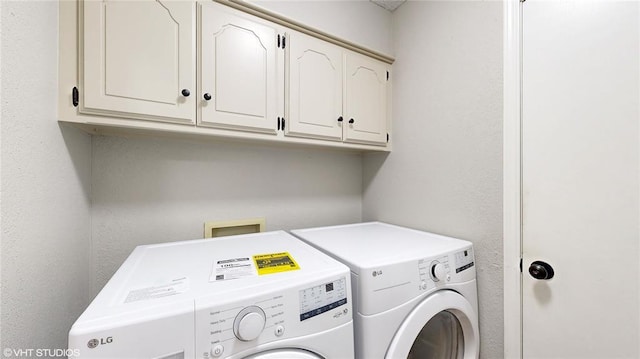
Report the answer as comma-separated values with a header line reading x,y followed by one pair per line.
x,y
445,172
358,21
157,190
45,188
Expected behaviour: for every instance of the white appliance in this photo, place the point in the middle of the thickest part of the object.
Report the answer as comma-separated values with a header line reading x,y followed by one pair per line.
x,y
415,293
265,295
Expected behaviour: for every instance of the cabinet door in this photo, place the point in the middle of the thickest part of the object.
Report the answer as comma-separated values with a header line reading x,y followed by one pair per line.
x,y
314,85
365,100
238,70
137,58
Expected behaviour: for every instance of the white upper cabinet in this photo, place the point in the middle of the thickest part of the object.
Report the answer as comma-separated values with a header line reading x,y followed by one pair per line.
x,y
365,107
238,71
314,88
138,60
217,68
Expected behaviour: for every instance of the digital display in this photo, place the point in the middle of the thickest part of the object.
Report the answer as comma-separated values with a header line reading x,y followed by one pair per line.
x,y
464,260
322,298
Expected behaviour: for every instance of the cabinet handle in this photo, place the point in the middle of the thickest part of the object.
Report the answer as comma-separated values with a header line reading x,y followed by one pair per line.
x,y
340,119
351,121
186,92
207,96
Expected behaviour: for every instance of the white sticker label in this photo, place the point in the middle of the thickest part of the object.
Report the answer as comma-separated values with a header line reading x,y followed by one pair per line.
x,y
169,288
232,269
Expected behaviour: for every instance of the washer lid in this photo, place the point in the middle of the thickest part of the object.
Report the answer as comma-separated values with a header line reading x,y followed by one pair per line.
x,y
374,244
442,326
285,354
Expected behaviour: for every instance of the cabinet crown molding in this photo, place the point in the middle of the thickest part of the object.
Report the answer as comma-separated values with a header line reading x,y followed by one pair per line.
x,y
295,25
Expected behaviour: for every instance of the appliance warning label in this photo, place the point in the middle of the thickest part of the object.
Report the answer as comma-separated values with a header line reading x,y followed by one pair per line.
x,y
232,268
275,263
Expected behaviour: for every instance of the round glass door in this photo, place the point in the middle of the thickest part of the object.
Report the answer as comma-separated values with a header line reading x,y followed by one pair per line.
x,y
442,326
440,338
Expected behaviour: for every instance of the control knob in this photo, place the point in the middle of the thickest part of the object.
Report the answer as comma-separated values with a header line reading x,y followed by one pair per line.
x,y
438,271
249,323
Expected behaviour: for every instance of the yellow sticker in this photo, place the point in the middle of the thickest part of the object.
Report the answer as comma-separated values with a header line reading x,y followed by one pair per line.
x,y
275,263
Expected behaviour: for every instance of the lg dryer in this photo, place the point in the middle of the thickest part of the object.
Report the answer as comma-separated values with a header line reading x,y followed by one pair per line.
x,y
415,292
253,296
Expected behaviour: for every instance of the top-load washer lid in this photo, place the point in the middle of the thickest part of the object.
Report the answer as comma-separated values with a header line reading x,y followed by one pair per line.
x,y
375,244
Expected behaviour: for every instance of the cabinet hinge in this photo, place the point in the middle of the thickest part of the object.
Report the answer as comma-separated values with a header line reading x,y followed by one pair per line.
x,y
75,96
282,40
278,123
387,75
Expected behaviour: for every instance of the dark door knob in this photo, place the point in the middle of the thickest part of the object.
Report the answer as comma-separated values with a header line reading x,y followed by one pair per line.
x,y
207,96
340,119
541,270
352,121
186,92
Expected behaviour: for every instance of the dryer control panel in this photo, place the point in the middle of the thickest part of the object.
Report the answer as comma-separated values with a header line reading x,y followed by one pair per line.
x,y
225,326
451,268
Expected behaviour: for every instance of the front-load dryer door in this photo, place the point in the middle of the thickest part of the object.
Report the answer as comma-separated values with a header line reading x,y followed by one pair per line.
x,y
443,326
285,354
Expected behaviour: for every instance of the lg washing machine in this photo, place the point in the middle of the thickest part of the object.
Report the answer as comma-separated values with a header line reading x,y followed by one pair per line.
x,y
415,293
259,296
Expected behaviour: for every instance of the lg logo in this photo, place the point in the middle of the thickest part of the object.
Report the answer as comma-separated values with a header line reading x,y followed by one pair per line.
x,y
102,341
376,273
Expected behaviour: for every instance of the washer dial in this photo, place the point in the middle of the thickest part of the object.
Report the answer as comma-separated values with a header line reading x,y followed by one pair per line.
x,y
249,323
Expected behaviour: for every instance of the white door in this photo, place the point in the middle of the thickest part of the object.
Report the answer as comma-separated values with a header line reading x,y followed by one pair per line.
x,y
580,158
138,59
314,85
238,70
365,105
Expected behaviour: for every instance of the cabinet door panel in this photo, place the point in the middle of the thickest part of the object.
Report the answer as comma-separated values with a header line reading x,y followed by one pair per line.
x,y
238,69
138,56
366,100
314,87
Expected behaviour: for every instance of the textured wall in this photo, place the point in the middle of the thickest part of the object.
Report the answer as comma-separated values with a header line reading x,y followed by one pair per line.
x,y
445,173
45,189
157,190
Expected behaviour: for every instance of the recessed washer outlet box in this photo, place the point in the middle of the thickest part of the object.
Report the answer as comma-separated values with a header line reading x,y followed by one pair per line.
x,y
233,227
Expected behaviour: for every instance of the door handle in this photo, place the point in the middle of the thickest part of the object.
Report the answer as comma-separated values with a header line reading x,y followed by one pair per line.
x,y
541,270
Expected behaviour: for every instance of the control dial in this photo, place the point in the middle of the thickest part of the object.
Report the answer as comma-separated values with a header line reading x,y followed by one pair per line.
x,y
249,323
438,271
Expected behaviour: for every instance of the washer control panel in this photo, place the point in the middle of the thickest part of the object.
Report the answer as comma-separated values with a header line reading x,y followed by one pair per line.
x,y
233,323
229,324
322,298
